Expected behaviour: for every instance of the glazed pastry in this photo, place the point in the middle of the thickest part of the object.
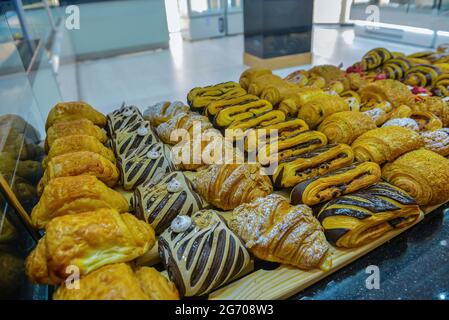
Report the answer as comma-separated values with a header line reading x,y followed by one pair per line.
x,y
423,174
262,120
198,98
407,123
434,105
119,282
389,90
87,240
299,77
336,183
147,163
360,218
259,83
386,144
316,110
293,103
71,195
75,110
375,58
75,143
186,123
329,73
346,126
423,75
228,185
200,253
122,118
241,112
241,103
295,169
426,121
378,115
278,91
74,127
163,111
158,204
352,98
250,74
80,163
437,141
134,137
396,68
276,231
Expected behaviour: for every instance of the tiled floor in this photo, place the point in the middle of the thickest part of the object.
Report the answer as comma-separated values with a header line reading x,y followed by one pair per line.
x,y
145,78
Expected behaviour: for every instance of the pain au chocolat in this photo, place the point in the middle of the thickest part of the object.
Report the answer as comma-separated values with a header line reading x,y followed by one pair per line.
x,y
122,118
201,253
361,217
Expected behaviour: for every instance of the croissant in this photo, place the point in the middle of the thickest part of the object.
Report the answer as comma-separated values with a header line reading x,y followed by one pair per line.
x,y
276,231
122,118
422,75
375,58
250,74
386,144
346,126
75,110
241,103
163,111
198,98
434,105
437,141
88,241
119,282
158,204
239,113
75,143
316,110
201,253
185,123
259,83
357,176
295,169
134,137
71,195
389,90
74,127
360,218
423,174
277,92
228,185
291,104
147,163
80,163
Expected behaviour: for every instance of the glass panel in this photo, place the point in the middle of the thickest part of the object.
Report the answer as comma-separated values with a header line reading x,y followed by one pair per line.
x,y
206,7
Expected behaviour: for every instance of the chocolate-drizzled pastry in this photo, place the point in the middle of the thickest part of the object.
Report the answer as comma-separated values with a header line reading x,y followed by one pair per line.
x,y
122,118
336,183
295,169
148,163
201,253
133,137
198,98
215,107
158,204
359,218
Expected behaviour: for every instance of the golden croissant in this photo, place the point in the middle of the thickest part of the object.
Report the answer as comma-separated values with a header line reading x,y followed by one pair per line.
x,y
75,143
74,127
276,231
423,174
120,282
278,91
261,82
87,241
163,111
172,131
291,104
250,74
75,110
71,195
322,106
80,163
346,126
123,118
228,185
389,90
386,144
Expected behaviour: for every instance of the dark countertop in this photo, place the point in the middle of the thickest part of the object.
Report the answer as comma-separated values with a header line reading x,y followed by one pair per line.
x,y
414,265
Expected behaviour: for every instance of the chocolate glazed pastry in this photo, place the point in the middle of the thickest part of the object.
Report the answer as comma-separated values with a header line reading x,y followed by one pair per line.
x,y
134,137
295,169
148,163
216,106
244,111
158,204
122,118
201,253
360,218
336,183
198,98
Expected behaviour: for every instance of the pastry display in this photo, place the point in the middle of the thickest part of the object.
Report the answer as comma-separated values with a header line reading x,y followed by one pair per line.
x,y
316,110
346,126
74,127
386,144
120,282
75,110
80,163
198,98
122,118
87,240
250,74
201,253
375,58
389,90
359,218
423,174
346,180
72,195
75,143
437,141
147,163
163,111
228,185
295,169
134,137
276,231
158,204
172,131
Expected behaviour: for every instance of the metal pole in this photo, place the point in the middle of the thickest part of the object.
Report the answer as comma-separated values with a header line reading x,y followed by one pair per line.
x,y
18,6
50,16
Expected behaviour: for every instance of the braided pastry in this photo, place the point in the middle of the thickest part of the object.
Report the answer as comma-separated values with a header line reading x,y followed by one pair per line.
x,y
68,111
375,58
164,111
198,98
186,122
250,74
228,185
437,141
276,231
122,118
316,110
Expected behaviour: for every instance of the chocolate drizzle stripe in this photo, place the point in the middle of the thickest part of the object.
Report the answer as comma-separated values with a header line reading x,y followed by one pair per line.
x,y
203,258
217,260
